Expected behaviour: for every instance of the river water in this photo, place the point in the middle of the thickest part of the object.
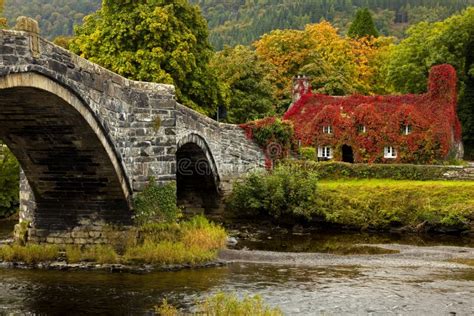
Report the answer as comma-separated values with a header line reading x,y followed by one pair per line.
x,y
335,290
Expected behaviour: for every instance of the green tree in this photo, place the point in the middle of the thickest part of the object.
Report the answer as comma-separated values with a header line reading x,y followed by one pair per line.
x,y
162,41
9,182
450,41
363,25
246,79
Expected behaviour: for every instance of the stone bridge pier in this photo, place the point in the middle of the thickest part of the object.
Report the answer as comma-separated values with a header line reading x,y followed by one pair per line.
x,y
89,140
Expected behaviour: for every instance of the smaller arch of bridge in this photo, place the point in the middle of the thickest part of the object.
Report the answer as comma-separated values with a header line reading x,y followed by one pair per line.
x,y
199,141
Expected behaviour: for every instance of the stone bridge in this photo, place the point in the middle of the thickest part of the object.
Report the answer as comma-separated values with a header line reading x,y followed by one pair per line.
x,y
88,140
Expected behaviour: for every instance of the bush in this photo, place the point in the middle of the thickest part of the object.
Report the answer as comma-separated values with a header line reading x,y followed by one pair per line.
x,y
308,153
9,182
157,203
284,191
341,170
273,135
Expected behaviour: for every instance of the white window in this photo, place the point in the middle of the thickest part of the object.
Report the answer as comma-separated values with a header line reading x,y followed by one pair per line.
x,y
390,152
362,129
406,129
327,129
325,152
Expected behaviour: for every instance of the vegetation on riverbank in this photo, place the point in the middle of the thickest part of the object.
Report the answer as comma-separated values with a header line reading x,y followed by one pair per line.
x,y
340,170
295,194
381,204
224,304
9,179
188,242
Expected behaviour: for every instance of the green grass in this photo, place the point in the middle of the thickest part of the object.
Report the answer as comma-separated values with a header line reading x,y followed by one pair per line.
x,y
380,203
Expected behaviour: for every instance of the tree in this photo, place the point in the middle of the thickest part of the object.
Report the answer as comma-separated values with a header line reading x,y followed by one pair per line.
x,y
363,25
450,41
246,78
337,65
163,41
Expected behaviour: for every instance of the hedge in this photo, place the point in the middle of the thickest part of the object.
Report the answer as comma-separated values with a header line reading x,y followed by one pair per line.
x,y
341,170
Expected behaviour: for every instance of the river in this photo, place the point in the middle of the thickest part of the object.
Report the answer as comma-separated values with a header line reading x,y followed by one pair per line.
x,y
427,287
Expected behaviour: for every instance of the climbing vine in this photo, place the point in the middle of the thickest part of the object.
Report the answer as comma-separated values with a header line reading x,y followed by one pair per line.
x,y
423,128
273,135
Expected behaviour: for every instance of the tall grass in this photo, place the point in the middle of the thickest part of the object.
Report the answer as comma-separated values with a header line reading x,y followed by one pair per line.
x,y
30,254
191,242
195,241
225,304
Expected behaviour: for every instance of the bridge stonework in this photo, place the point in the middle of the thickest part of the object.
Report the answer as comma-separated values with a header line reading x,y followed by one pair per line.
x,y
88,140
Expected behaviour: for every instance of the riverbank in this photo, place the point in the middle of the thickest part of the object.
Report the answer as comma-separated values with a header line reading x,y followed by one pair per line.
x,y
150,247
111,268
291,195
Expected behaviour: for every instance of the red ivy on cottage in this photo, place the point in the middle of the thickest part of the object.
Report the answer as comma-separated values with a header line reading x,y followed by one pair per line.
x,y
434,126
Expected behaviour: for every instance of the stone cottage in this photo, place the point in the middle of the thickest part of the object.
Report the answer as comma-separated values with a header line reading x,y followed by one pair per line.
x,y
397,128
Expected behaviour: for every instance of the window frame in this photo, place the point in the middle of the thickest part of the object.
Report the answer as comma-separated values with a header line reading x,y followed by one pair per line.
x,y
325,152
390,152
327,129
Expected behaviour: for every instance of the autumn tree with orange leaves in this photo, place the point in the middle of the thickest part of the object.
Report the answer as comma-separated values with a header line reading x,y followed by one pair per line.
x,y
338,65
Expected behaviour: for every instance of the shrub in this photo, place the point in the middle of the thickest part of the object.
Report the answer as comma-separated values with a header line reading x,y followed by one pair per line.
x,y
273,135
308,153
341,170
283,191
9,182
157,202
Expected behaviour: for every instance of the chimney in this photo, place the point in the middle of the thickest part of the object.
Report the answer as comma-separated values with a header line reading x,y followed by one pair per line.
x,y
301,86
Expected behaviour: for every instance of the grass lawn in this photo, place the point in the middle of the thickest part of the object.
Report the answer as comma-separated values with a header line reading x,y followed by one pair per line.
x,y
381,203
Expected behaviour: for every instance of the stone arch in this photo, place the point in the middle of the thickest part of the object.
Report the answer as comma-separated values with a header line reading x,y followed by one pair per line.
x,y
199,141
197,176
73,170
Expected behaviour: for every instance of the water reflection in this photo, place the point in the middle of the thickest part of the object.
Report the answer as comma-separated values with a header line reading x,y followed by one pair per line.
x,y
326,240
55,292
298,291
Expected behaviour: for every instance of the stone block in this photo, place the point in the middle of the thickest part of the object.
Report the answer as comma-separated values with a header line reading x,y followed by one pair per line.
x,y
80,234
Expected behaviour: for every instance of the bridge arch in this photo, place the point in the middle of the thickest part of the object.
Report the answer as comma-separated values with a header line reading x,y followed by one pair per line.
x,y
197,175
73,170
